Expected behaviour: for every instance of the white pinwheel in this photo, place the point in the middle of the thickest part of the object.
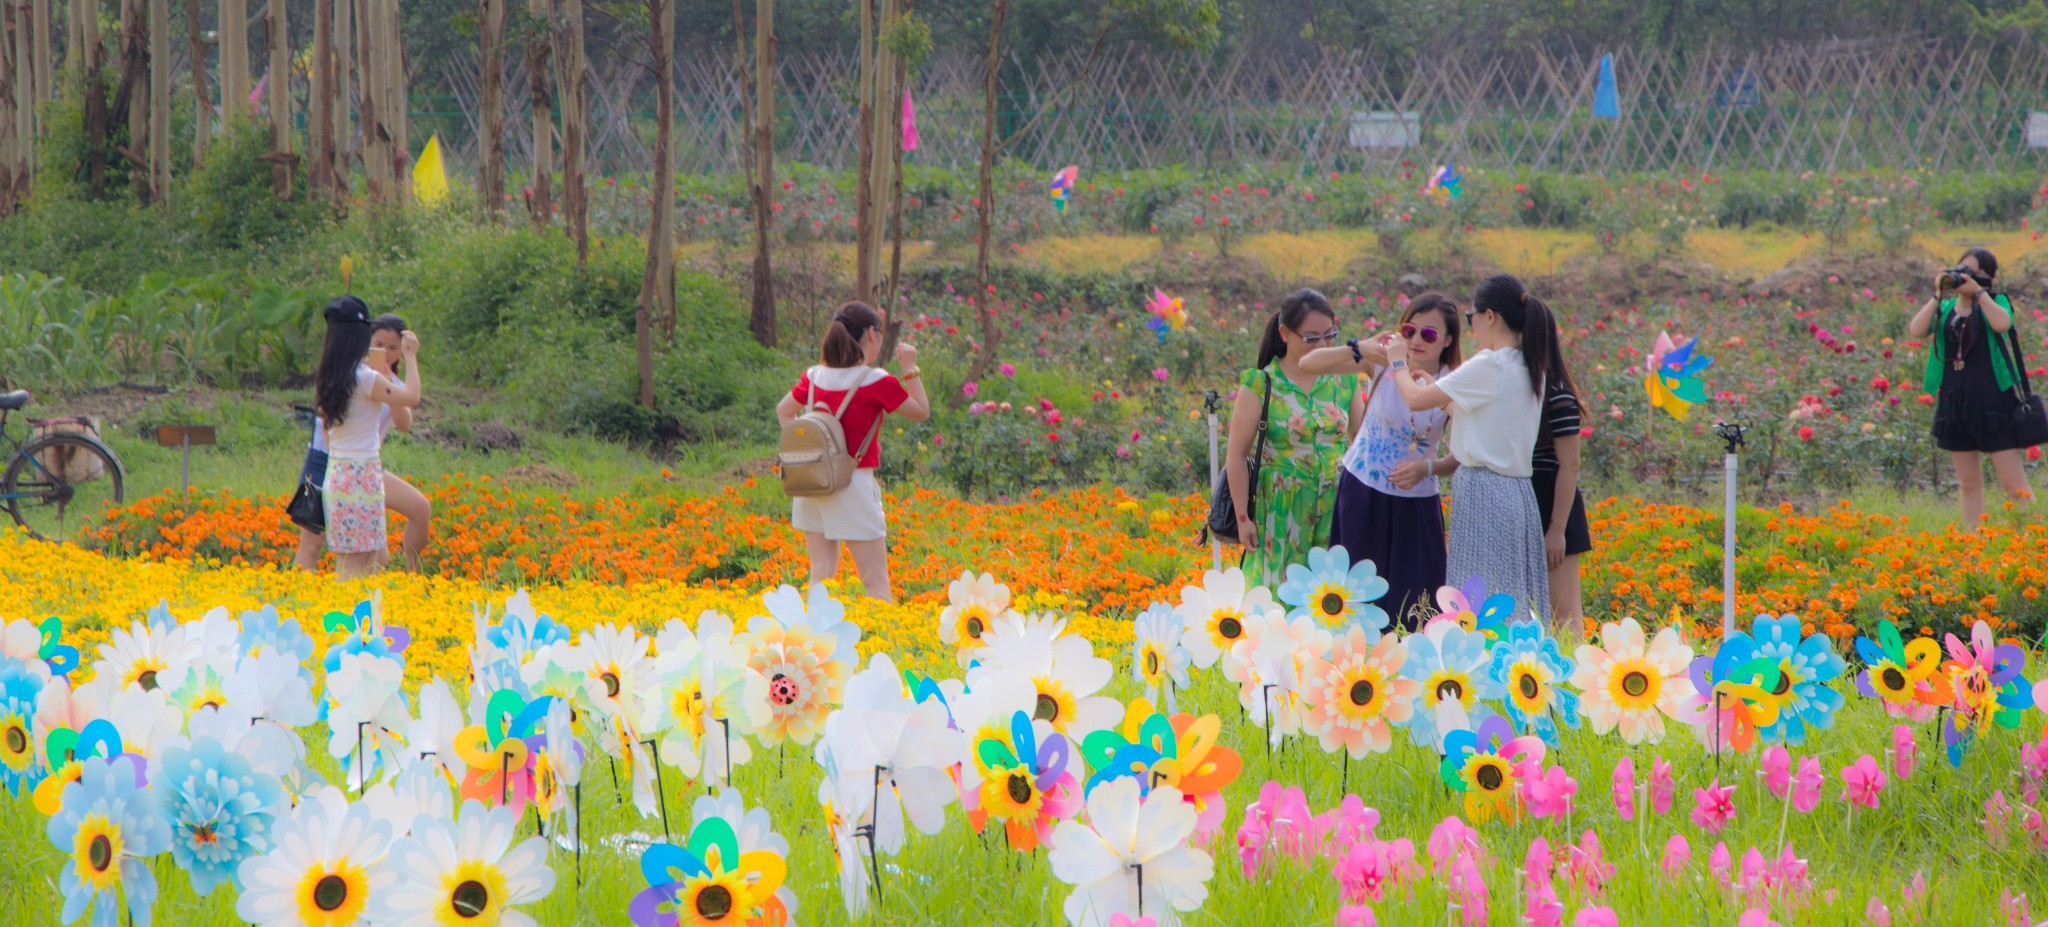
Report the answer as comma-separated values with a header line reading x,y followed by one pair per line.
x,y
973,603
1132,857
366,709
1158,660
268,685
710,699
1213,614
466,871
1267,670
1064,670
325,866
138,654
431,736
897,751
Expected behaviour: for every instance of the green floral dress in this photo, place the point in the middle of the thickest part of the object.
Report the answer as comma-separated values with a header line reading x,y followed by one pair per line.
x,y
1298,481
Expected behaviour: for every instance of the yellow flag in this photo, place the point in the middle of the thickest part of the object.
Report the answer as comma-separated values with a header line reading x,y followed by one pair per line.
x,y
429,178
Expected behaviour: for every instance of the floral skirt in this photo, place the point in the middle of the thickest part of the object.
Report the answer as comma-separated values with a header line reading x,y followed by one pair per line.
x,y
353,494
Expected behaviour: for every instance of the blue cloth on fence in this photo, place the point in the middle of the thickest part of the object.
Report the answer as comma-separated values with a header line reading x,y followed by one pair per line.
x,y
1606,104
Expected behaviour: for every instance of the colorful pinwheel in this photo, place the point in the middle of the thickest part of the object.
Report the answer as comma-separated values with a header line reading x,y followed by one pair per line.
x,y
1527,664
1062,187
1485,764
1167,314
1025,782
1672,376
1445,183
1905,677
709,880
499,758
1988,688
1156,750
364,632
1474,610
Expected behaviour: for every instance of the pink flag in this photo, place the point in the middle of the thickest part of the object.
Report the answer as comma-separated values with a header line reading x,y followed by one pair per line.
x,y
909,123
256,95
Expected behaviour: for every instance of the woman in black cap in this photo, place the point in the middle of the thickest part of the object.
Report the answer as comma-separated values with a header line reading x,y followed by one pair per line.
x,y
351,397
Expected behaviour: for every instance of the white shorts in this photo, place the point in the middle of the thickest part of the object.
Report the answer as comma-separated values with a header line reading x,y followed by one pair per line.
x,y
851,514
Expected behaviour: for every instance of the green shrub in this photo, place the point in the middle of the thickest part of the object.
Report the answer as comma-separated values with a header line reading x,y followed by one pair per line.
x,y
230,205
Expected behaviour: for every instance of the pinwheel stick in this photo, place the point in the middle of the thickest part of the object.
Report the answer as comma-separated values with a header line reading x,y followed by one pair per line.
x,y
577,791
727,724
874,854
660,791
362,771
1266,695
1141,890
504,778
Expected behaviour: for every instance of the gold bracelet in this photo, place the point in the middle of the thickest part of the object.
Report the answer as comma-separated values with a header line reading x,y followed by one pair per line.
x,y
909,375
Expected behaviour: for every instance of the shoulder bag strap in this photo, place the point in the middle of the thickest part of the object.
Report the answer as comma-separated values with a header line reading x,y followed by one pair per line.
x,y
1265,410
2021,387
873,430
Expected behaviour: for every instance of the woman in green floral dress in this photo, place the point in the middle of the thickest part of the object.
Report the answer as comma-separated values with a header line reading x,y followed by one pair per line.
x,y
1308,424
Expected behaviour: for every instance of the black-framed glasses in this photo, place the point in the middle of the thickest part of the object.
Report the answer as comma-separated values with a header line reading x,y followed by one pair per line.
x,y
1428,332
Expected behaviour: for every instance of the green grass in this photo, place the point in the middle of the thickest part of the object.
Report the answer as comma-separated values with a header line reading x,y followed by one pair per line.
x,y
1929,825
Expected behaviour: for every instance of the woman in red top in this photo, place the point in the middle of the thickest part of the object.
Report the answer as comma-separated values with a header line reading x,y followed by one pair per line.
x,y
853,516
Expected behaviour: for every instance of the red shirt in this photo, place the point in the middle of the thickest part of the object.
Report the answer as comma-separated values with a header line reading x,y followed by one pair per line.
x,y
870,402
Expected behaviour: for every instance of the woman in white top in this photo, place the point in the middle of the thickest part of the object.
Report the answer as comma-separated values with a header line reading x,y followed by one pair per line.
x,y
350,397
387,332
851,384
1496,396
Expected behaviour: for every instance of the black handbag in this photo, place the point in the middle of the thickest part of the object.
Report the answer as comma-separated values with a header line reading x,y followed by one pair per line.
x,y
1223,509
308,507
2030,420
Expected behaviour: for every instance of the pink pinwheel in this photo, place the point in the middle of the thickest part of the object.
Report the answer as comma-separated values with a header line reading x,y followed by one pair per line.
x,y
2033,769
1997,814
1364,871
1905,752
1911,894
1470,890
1595,917
1757,917
1777,771
1543,909
1660,786
1790,872
1677,856
1806,785
2037,829
2014,907
1355,822
1876,912
1121,919
1537,862
1550,795
1862,781
1755,874
1589,867
1625,789
1720,863
1356,915
1448,841
1713,807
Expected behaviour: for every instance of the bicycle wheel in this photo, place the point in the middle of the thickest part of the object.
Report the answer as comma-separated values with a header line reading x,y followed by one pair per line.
x,y
60,486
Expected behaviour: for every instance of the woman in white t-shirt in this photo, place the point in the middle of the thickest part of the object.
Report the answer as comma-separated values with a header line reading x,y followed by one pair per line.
x,y
351,396
1496,397
387,332
851,384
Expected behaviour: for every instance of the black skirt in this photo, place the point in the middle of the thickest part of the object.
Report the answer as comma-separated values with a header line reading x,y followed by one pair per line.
x,y
1578,535
1971,413
1403,537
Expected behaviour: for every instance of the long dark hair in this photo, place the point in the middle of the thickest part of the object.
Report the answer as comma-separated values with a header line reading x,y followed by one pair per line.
x,y
850,324
1505,296
1986,262
1433,301
348,342
1293,311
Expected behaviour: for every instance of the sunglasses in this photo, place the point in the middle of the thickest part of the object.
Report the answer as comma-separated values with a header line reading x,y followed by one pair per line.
x,y
1429,334
1327,337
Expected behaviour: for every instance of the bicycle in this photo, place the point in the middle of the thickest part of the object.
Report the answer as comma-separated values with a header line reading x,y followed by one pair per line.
x,y
57,485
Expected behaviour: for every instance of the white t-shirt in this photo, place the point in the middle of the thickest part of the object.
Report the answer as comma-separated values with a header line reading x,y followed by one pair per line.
x,y
362,432
1495,414
384,424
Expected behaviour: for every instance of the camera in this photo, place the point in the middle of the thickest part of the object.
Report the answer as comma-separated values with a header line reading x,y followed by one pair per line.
x,y
1954,277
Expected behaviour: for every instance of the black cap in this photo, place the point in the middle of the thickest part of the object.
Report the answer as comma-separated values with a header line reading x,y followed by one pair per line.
x,y
347,309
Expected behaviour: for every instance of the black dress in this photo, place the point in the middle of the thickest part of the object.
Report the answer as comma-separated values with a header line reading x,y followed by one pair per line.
x,y
1560,420
1970,412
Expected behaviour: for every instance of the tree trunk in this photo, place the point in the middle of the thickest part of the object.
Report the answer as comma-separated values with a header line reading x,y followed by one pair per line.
x,y
159,101
11,140
370,102
319,104
397,100
282,158
46,78
74,35
658,282
762,320
131,100
542,208
569,66
739,71
893,331
985,357
887,88
344,65
234,57
202,93
863,179
99,123
490,45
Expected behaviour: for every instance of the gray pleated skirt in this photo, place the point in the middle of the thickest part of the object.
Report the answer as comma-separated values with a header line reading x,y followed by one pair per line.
x,y
1496,535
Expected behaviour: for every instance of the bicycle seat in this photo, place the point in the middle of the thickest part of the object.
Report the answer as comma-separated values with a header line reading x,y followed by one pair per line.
x,y
14,401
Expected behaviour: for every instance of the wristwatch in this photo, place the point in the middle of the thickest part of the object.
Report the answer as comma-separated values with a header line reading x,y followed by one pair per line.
x,y
911,374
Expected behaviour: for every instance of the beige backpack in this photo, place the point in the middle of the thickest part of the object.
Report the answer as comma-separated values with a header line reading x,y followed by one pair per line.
x,y
812,455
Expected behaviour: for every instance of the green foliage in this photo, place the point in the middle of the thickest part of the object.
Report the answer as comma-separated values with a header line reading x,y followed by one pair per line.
x,y
230,204
1188,24
909,38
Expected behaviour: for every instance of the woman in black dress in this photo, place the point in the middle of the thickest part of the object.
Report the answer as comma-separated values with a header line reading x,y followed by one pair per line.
x,y
1973,375
1555,478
